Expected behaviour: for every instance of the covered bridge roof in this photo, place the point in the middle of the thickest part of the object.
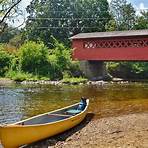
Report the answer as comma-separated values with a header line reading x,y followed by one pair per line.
x,y
111,34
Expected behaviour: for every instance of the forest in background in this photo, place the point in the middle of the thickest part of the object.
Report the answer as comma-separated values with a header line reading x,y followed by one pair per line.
x,y
42,48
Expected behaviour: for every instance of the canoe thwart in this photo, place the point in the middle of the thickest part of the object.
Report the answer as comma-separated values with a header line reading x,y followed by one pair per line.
x,y
62,115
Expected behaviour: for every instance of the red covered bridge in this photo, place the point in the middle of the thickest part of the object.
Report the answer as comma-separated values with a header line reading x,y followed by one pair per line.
x,y
111,46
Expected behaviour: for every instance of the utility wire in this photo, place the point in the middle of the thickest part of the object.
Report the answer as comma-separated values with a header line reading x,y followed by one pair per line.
x,y
46,18
64,18
64,27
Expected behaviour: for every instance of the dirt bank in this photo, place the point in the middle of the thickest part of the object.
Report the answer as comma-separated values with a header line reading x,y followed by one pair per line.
x,y
127,131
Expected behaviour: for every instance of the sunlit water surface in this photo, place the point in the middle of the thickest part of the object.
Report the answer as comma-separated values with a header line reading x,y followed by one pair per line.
x,y
19,102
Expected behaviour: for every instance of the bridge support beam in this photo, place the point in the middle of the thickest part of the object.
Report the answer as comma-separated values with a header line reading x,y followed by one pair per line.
x,y
94,70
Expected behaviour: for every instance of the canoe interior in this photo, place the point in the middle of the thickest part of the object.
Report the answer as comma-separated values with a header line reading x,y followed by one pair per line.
x,y
49,117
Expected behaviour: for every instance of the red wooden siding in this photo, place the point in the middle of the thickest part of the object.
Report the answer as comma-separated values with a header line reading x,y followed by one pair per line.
x,y
111,49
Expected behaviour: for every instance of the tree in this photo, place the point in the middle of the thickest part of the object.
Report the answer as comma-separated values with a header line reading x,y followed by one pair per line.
x,y
64,18
111,25
5,60
142,21
33,58
8,34
124,14
9,10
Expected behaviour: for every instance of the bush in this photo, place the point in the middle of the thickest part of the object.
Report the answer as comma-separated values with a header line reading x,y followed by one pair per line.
x,y
21,76
74,80
137,70
18,76
62,55
60,59
34,61
55,71
33,58
5,60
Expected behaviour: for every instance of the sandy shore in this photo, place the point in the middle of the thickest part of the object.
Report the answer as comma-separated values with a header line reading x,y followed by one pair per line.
x,y
127,131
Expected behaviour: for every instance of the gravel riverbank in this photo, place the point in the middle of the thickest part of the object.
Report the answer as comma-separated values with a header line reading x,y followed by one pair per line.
x,y
126,131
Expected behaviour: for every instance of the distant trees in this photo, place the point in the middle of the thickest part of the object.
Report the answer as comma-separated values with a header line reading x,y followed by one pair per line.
x,y
65,18
8,34
128,70
124,14
142,21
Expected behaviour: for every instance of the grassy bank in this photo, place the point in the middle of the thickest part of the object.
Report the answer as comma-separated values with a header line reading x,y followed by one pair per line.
x,y
35,61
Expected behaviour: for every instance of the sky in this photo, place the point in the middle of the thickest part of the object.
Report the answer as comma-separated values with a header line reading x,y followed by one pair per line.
x,y
138,4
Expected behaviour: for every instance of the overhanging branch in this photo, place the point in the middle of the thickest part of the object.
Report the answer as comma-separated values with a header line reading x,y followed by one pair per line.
x,y
9,10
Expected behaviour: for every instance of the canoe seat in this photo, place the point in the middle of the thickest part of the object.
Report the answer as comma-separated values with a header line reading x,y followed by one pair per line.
x,y
79,108
73,111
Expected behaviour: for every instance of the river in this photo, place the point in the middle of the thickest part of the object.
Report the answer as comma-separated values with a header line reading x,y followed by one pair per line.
x,y
19,102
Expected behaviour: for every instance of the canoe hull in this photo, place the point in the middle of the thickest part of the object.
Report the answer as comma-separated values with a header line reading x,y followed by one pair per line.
x,y
14,136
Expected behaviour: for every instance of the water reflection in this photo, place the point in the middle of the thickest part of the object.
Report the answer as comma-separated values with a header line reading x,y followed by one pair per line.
x,y
18,102
11,102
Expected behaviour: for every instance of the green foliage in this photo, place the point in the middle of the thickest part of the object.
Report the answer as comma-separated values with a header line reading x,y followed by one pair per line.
x,y
128,69
75,69
34,61
124,14
8,34
16,41
62,55
142,21
74,80
5,60
33,58
21,76
61,62
111,25
63,19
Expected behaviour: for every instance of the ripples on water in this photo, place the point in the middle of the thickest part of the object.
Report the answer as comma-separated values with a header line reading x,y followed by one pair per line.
x,y
18,102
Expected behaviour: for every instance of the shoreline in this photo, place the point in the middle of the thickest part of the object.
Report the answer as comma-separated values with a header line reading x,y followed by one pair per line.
x,y
5,81
129,130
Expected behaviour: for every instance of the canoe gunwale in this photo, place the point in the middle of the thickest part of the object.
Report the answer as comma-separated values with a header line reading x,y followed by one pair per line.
x,y
18,124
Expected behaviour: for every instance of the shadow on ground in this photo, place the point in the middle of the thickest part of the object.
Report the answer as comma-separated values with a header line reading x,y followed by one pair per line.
x,y
63,136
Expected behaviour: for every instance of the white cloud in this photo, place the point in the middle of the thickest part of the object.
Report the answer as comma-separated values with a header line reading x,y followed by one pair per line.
x,y
25,3
109,1
141,6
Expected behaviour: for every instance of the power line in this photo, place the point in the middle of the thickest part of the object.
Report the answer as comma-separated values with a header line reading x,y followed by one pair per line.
x,y
98,19
98,11
64,27
87,10
64,18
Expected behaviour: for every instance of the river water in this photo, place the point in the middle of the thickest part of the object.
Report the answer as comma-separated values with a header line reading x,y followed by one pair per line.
x,y
19,102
